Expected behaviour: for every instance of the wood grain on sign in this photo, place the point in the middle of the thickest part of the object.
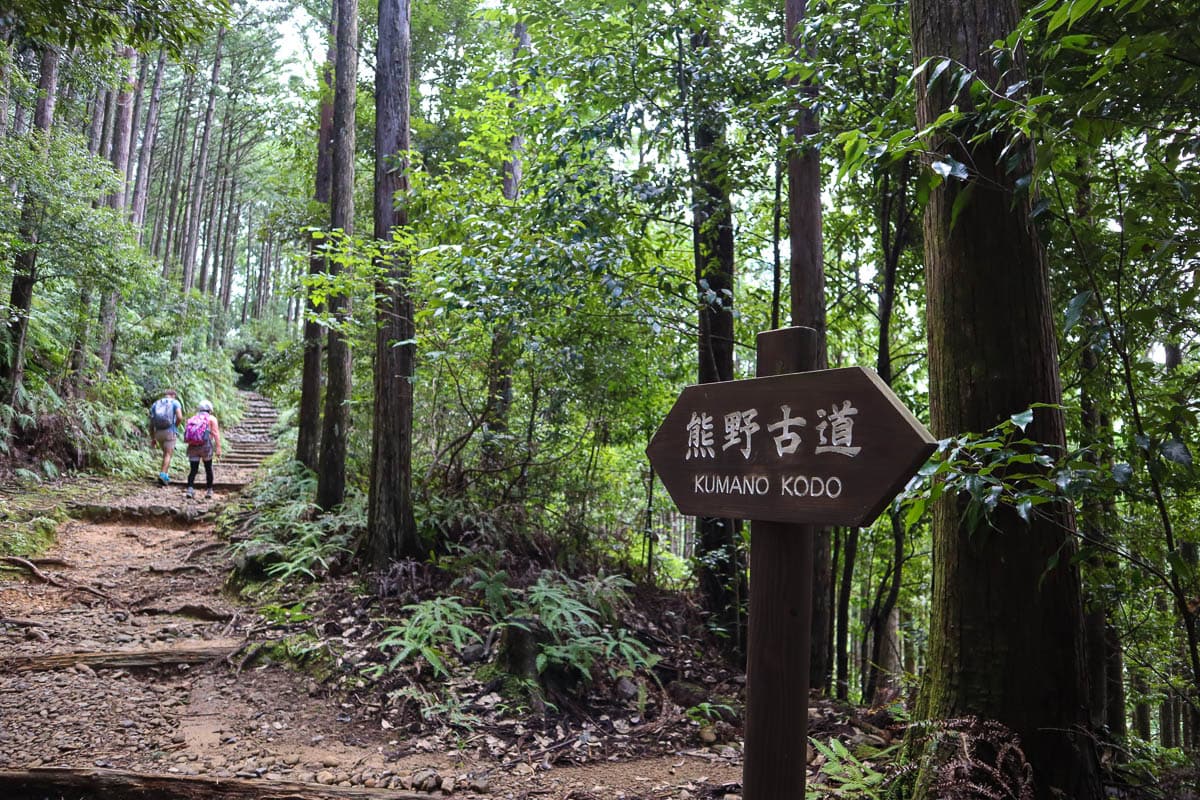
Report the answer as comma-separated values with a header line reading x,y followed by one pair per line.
x,y
829,447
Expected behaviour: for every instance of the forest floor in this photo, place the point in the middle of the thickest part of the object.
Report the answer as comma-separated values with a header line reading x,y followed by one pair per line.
x,y
123,649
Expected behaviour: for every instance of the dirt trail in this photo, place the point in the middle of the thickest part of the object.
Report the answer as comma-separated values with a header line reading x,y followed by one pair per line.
x,y
131,658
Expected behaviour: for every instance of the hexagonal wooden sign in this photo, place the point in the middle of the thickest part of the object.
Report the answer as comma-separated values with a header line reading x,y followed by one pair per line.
x,y
829,447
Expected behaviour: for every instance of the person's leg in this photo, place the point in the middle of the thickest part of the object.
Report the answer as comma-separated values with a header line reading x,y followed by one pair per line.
x,y
195,467
208,474
166,440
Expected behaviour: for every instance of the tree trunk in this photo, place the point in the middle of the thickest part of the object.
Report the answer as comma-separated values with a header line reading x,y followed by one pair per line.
x,y
25,275
145,161
1006,627
331,474
139,94
807,273
119,156
842,645
309,423
721,562
500,358
1141,710
6,61
200,173
191,227
391,530
176,169
894,218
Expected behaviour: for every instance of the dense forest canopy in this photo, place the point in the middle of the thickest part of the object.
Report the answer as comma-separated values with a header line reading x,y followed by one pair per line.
x,y
474,251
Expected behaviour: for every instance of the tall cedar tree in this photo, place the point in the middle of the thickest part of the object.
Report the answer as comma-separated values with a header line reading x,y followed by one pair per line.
x,y
391,530
722,581
309,425
1006,628
331,475
25,273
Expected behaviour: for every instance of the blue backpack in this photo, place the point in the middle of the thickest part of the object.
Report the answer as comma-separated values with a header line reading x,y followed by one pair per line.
x,y
162,413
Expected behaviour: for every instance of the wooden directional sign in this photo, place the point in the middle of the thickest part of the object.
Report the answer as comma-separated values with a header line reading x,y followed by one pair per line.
x,y
829,447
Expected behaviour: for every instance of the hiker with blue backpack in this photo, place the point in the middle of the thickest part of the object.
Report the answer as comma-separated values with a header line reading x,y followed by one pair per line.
x,y
203,436
165,415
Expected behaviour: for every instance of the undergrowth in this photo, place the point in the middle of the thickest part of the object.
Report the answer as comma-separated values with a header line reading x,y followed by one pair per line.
x,y
426,615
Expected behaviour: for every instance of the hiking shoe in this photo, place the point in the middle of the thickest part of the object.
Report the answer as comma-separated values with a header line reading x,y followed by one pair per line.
x,y
190,493
208,494
164,478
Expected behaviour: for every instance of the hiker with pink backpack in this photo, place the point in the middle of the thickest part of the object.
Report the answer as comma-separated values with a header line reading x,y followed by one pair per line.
x,y
203,436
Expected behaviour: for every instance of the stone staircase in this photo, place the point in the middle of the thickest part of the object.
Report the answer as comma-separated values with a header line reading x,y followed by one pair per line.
x,y
246,444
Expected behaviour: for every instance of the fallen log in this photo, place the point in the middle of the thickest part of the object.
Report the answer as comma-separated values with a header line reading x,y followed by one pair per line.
x,y
120,659
106,784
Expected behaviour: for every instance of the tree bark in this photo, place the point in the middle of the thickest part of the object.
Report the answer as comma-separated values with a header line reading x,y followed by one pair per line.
x,y
807,274
331,474
391,530
1006,628
309,423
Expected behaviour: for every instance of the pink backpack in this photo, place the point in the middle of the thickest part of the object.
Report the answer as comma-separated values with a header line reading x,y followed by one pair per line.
x,y
196,429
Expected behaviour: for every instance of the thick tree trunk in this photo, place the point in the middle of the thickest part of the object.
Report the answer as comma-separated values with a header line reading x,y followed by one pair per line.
x,y
1006,628
807,273
331,474
25,274
309,423
391,530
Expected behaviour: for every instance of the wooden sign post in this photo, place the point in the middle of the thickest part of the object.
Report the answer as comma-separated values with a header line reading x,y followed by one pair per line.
x,y
790,450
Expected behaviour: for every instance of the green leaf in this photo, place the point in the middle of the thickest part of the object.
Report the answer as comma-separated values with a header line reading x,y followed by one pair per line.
x,y
1060,18
1079,8
1023,419
949,168
1175,450
960,203
1025,508
941,67
1075,309
1180,565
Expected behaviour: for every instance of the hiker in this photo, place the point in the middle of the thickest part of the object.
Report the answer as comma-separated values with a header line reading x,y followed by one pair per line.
x,y
203,436
166,414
